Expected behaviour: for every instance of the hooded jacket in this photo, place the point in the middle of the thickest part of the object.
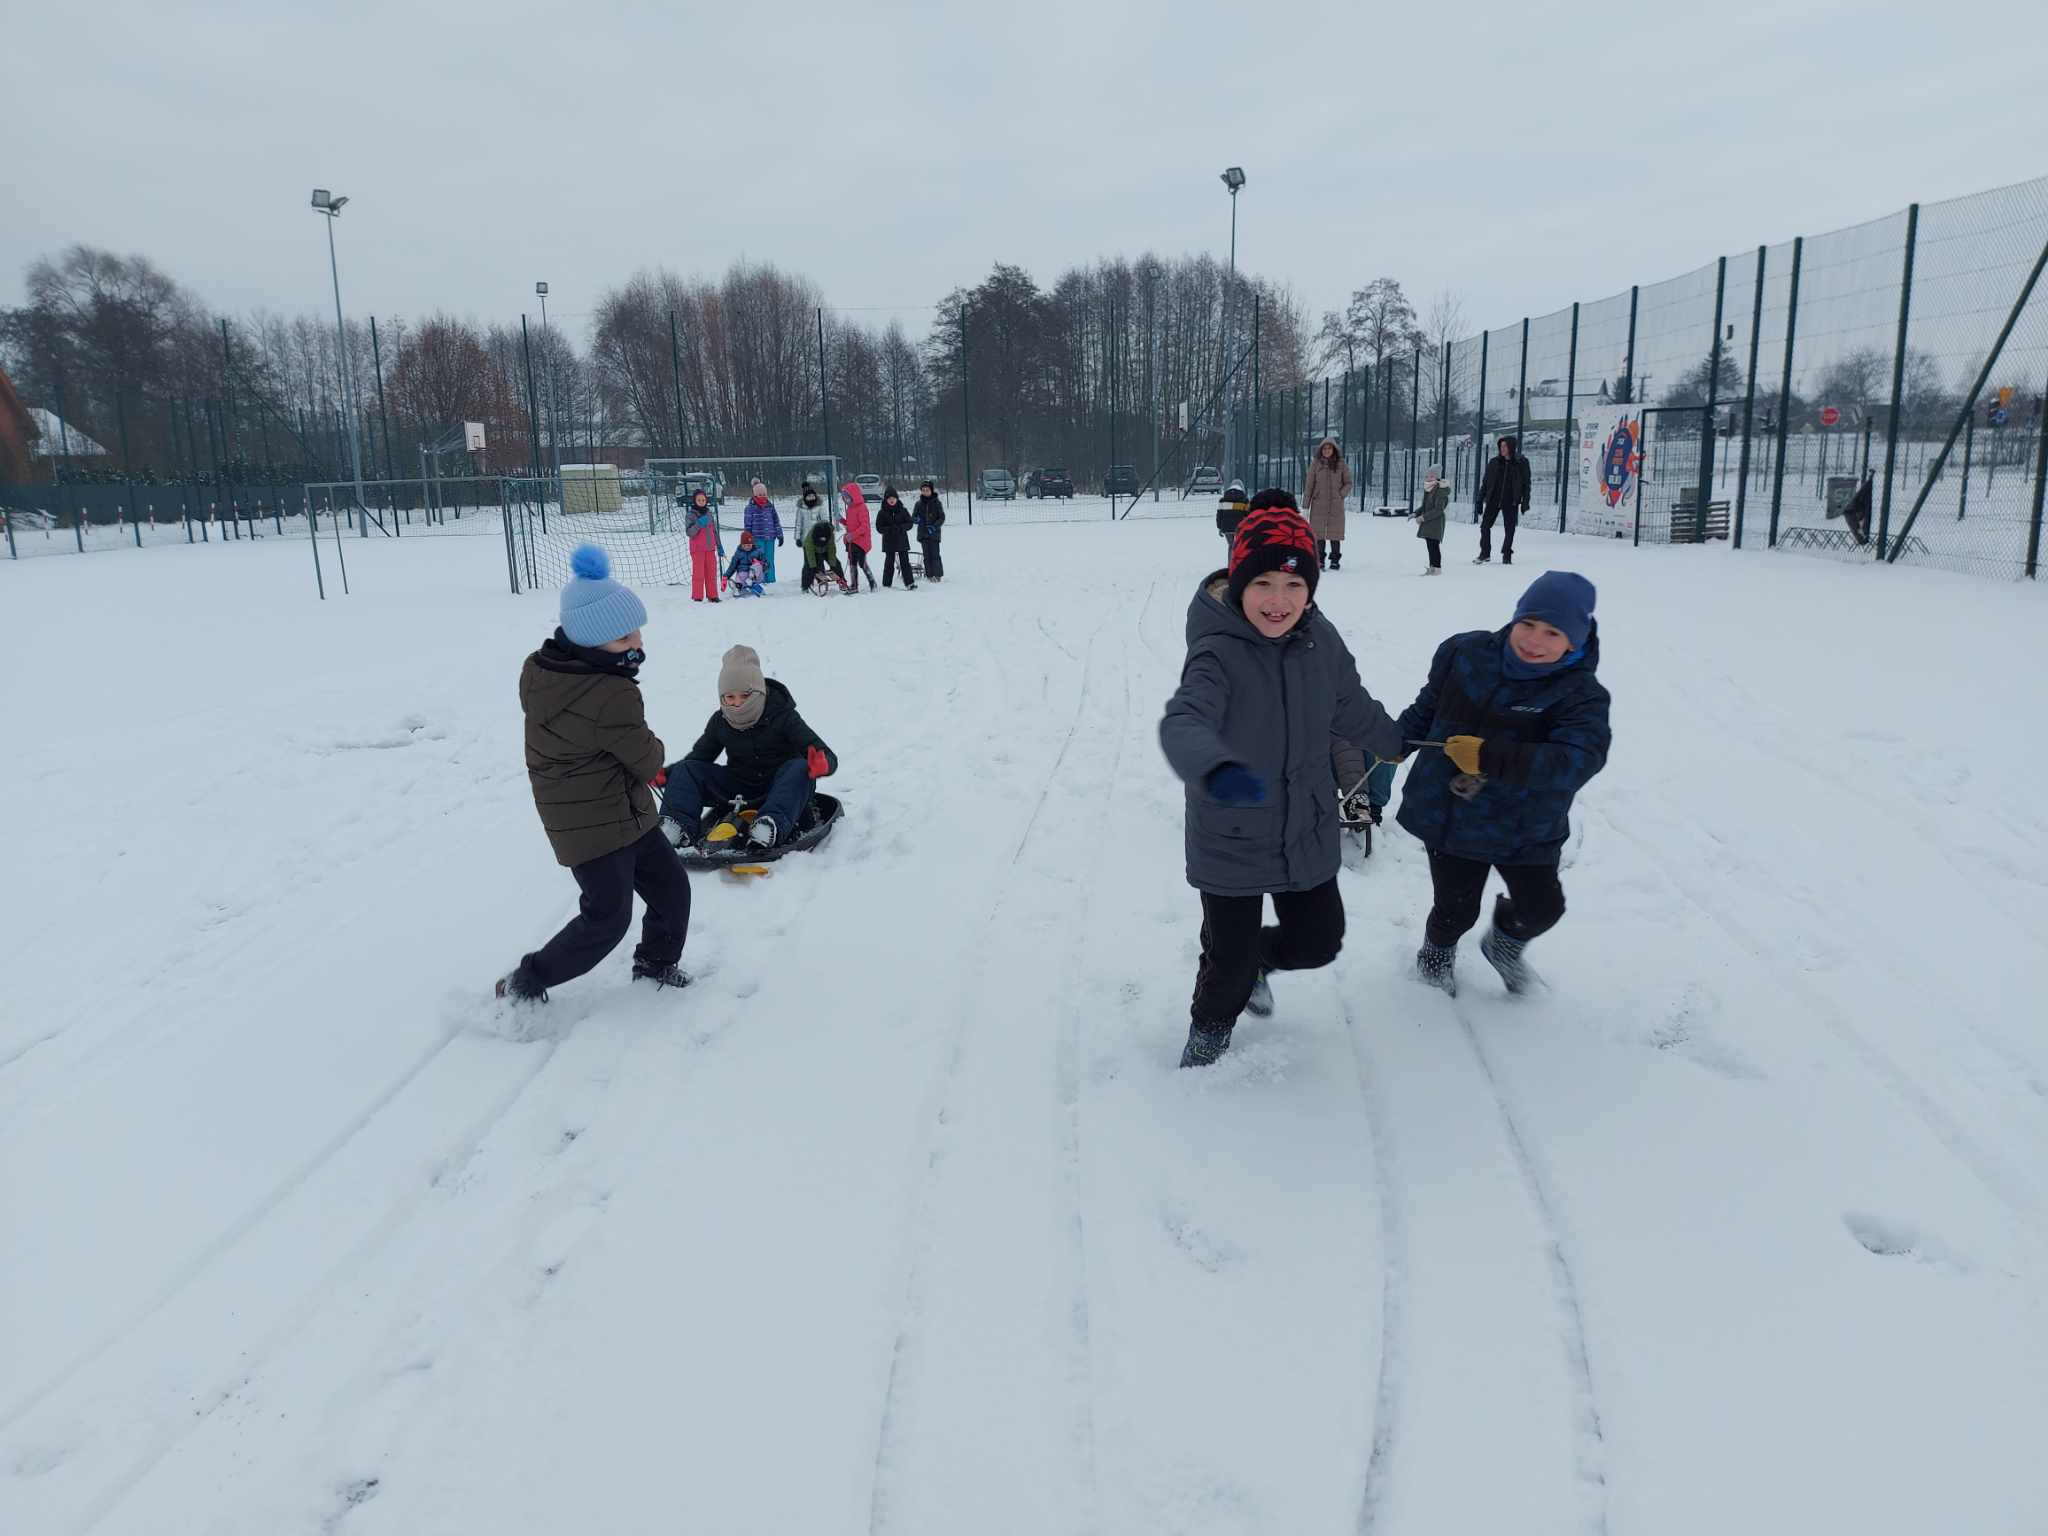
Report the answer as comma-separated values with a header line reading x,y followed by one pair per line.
x,y
1545,738
702,524
754,754
819,548
1429,515
858,519
1271,706
1323,494
743,556
1506,483
894,522
929,515
763,521
589,753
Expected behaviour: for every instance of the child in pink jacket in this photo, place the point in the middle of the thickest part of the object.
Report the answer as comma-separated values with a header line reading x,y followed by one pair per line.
x,y
702,525
860,535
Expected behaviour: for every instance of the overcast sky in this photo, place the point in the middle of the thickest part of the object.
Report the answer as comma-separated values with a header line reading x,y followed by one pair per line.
x,y
1522,155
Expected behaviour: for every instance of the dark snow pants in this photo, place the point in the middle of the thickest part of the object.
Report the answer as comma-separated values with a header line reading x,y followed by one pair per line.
x,y
857,563
1509,517
1235,948
1534,905
891,555
934,567
649,867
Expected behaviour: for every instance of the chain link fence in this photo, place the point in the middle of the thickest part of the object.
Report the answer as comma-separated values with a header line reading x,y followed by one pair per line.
x,y
1869,394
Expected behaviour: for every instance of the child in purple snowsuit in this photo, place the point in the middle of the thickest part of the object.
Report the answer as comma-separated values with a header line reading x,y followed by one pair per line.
x,y
765,524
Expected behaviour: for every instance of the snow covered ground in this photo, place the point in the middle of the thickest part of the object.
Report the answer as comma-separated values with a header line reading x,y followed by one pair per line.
x,y
902,1219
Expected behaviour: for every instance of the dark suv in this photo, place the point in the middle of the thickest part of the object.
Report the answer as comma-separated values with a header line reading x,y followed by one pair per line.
x,y
1120,480
1049,482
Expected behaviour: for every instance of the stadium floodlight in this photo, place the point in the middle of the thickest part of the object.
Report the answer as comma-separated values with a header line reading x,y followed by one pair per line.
x,y
541,289
330,206
1234,178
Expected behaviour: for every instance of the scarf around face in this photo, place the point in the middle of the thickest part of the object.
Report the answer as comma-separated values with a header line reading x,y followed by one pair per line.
x,y
748,715
1515,667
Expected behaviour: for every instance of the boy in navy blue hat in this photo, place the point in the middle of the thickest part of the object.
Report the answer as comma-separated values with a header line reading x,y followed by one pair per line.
x,y
1523,723
589,756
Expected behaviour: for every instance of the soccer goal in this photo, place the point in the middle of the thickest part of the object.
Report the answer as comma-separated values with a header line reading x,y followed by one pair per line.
x,y
638,517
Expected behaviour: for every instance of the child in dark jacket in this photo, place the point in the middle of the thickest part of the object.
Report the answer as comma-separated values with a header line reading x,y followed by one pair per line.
x,y
1266,684
748,567
589,755
1523,722
771,757
929,517
893,522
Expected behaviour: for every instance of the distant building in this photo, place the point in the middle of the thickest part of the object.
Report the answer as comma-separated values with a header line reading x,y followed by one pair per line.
x,y
17,434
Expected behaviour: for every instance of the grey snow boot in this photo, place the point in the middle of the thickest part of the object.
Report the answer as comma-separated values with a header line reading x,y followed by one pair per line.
x,y
1435,966
1260,1004
1504,952
1206,1042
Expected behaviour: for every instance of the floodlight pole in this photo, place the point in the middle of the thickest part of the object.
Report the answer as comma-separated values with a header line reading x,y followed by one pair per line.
x,y
355,451
1234,179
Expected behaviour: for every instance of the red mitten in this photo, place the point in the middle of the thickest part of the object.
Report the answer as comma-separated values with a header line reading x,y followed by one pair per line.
x,y
814,759
661,779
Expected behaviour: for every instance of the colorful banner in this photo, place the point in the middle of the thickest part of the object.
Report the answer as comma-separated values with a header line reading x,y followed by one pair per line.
x,y
1610,459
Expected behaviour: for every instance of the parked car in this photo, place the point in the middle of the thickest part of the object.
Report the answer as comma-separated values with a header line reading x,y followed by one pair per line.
x,y
1049,482
997,485
1120,480
870,488
1203,480
696,480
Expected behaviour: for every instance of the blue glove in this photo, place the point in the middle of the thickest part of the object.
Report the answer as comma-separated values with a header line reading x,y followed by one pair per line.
x,y
1233,784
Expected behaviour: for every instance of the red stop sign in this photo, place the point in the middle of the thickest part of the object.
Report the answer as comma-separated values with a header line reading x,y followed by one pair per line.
x,y
1829,415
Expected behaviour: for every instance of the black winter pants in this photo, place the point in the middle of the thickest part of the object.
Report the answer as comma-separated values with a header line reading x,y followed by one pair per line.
x,y
891,554
1235,948
857,564
650,867
1436,552
1507,539
934,567
1534,904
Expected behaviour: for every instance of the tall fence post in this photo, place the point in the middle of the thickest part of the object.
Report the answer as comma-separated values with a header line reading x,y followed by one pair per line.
x,y
1571,437
64,442
384,416
532,404
2040,481
1258,406
1706,490
1443,413
1756,333
1387,436
1522,391
1479,424
1414,422
1785,388
1891,435
824,402
313,536
966,418
127,467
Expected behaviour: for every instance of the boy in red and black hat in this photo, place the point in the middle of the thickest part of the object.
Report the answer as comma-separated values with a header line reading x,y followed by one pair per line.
x,y
1266,684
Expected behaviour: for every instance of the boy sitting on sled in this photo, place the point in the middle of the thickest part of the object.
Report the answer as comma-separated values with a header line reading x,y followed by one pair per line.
x,y
771,757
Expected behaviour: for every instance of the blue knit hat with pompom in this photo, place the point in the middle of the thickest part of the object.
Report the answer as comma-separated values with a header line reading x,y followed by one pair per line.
x,y
595,609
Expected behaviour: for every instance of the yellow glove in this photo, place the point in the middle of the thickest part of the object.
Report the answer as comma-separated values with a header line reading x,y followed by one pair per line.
x,y
1464,751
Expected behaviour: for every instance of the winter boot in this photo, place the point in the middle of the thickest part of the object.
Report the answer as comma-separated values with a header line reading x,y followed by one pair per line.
x,y
1336,556
762,833
1260,1004
1206,1042
677,834
1504,953
1484,560
1507,557
520,987
1435,965
660,975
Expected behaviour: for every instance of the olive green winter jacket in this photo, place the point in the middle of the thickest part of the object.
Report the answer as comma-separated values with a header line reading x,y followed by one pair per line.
x,y
589,753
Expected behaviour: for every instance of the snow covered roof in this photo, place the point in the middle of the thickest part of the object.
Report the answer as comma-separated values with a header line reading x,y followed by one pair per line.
x,y
55,432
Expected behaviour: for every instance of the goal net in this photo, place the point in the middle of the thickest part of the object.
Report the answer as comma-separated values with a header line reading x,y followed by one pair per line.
x,y
640,523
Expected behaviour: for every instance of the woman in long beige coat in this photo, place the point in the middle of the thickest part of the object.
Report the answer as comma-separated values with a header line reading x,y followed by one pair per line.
x,y
1329,482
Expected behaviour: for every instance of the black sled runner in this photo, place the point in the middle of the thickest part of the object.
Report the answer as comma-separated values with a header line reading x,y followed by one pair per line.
x,y
723,844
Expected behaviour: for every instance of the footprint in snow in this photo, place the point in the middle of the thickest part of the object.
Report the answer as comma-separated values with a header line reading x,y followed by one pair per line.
x,y
1890,1238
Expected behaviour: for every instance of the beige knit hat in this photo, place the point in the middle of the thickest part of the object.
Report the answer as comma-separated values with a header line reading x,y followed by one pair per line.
x,y
740,672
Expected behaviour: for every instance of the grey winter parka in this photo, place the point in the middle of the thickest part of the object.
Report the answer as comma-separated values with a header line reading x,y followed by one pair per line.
x,y
1270,706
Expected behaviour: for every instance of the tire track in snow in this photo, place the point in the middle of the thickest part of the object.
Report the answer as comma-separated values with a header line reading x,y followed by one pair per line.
x,y
905,1360
393,1220
2006,1186
1592,1435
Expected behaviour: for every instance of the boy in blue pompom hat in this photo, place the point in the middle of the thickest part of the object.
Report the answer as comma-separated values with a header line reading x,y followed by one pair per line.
x,y
590,755
1523,724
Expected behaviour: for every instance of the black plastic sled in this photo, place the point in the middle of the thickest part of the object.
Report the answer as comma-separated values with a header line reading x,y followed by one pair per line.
x,y
819,817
